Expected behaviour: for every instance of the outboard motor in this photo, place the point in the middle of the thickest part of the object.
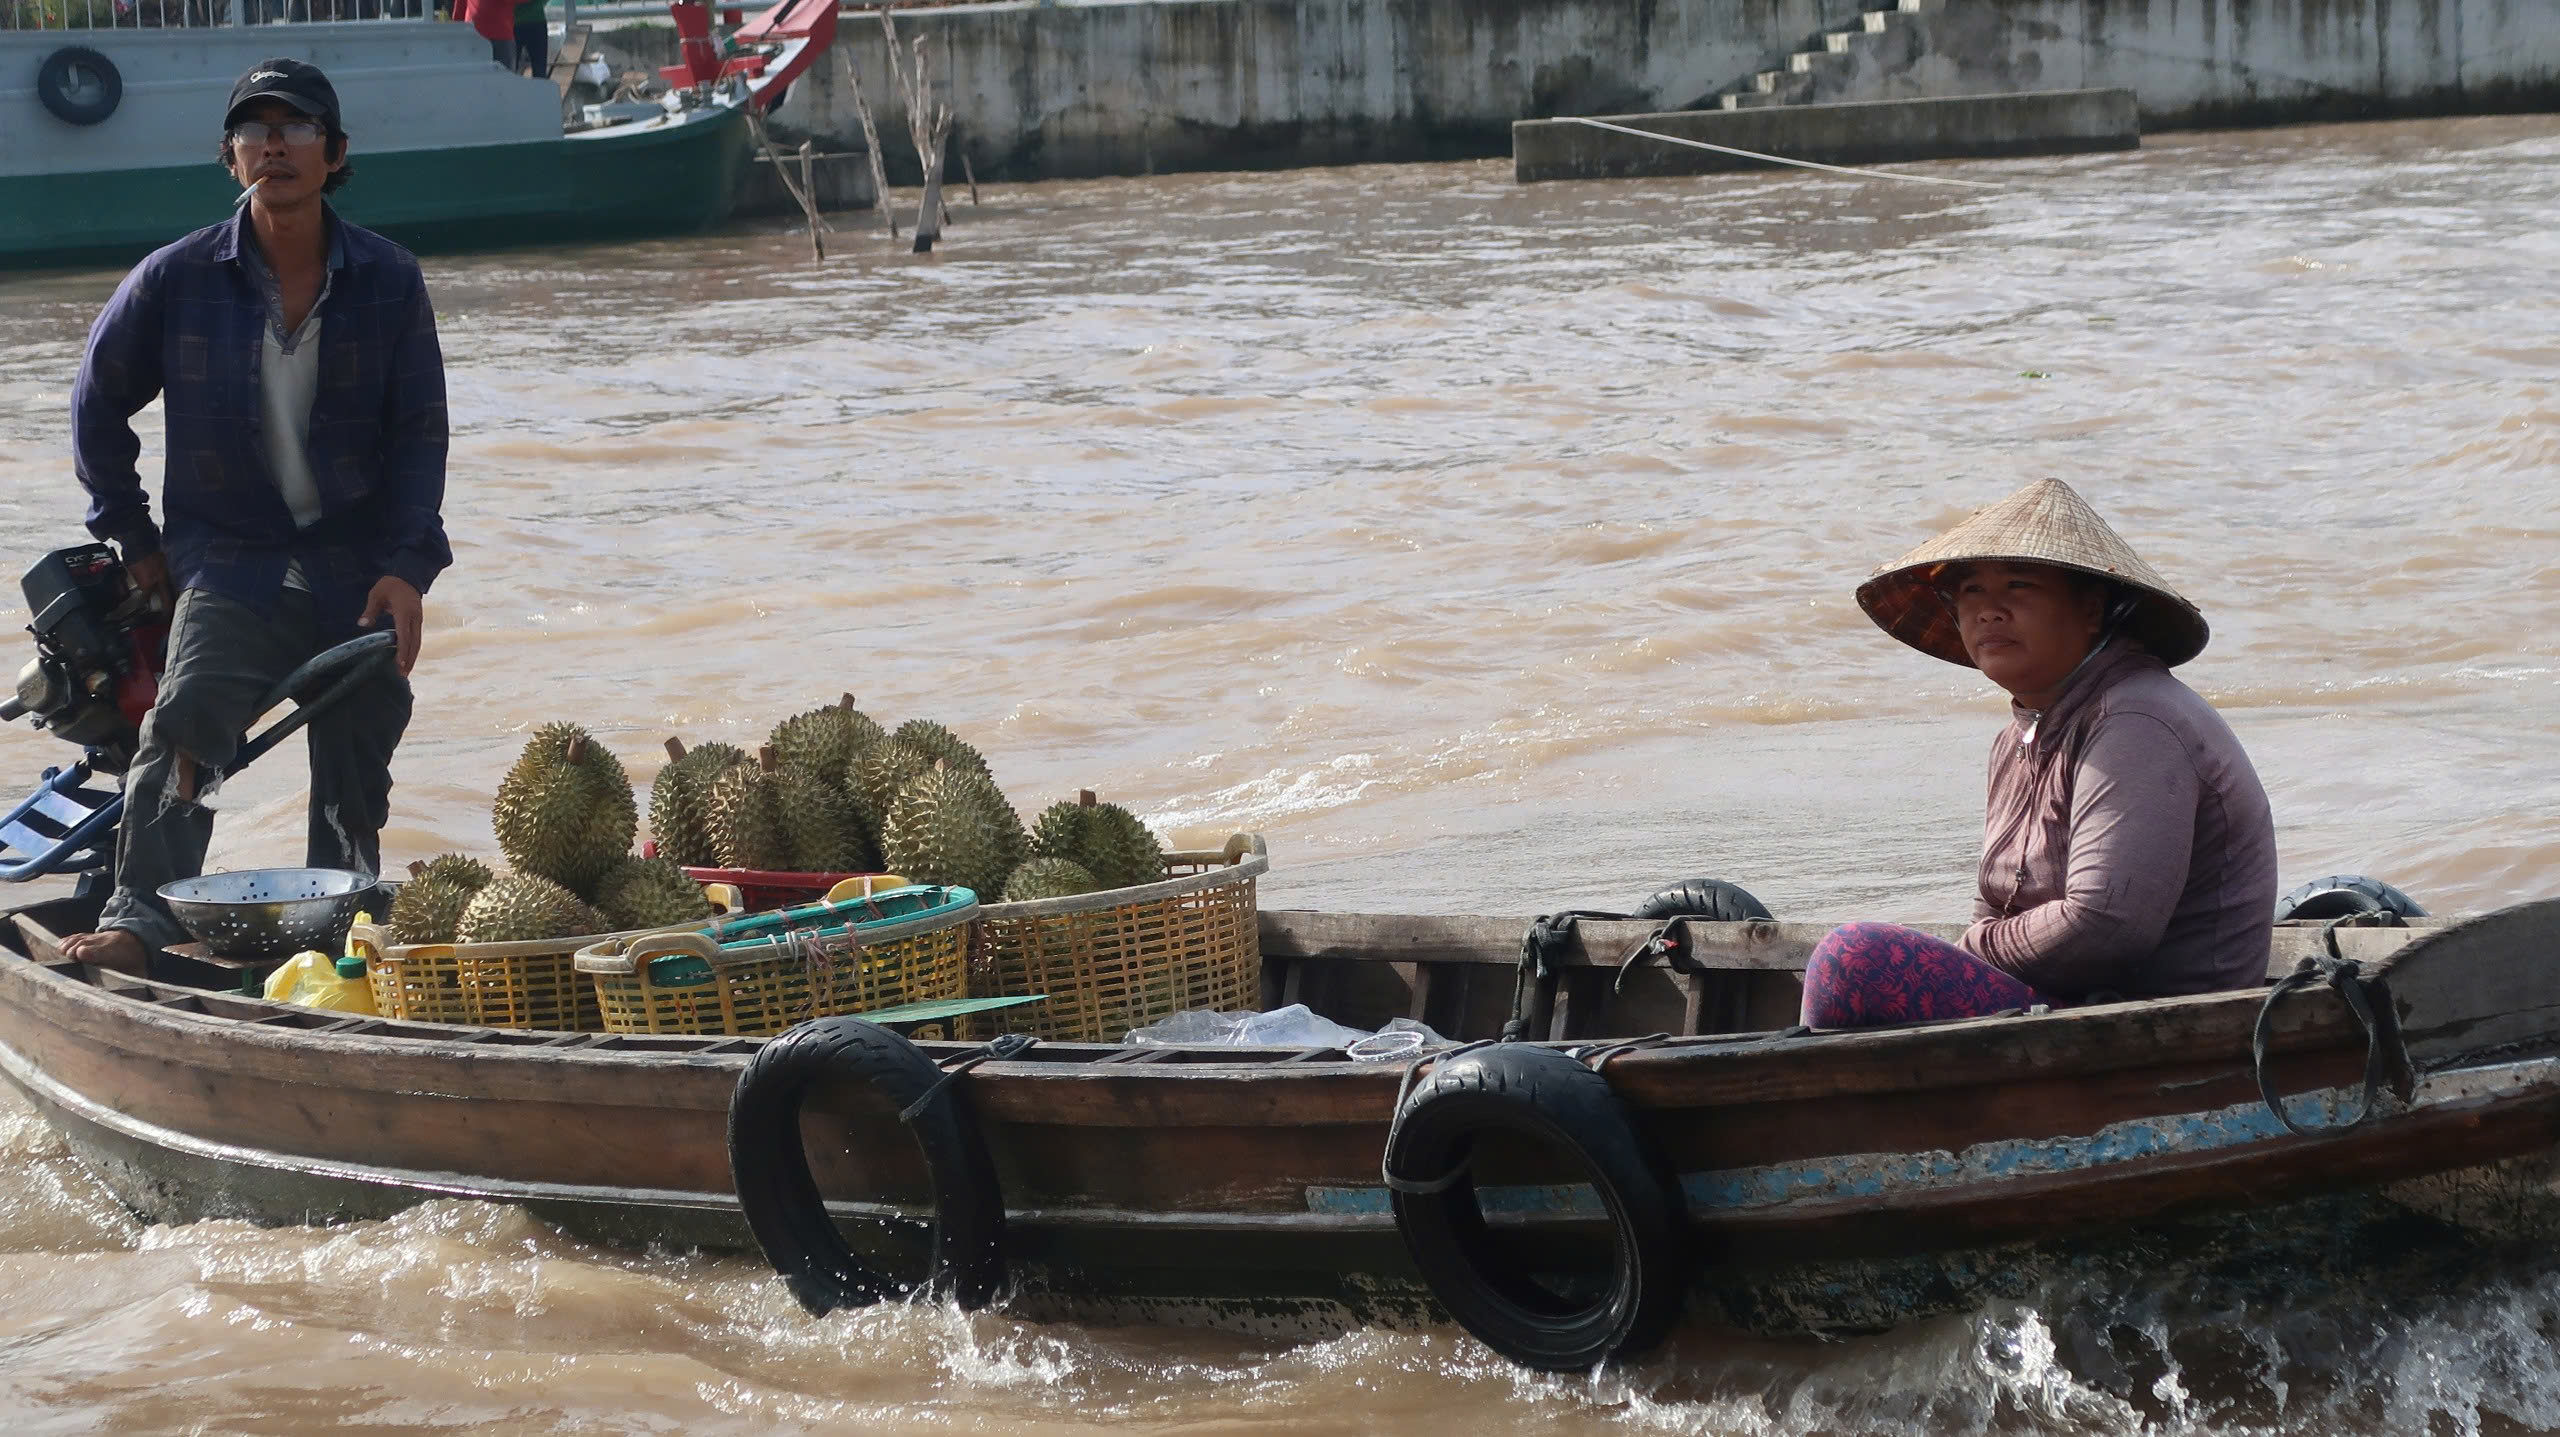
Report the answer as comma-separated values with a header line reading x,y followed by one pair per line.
x,y
100,646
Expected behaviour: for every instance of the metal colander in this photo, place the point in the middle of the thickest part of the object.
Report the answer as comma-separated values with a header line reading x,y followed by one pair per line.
x,y
269,912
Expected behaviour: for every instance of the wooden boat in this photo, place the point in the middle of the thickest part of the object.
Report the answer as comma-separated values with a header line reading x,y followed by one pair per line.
x,y
1832,1180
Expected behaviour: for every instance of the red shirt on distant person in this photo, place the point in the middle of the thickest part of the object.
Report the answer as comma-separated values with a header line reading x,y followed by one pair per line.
x,y
494,19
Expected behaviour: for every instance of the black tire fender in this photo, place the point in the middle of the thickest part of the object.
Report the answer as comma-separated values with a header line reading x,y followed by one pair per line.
x,y
79,85
781,1201
1553,1099
2341,894
1709,898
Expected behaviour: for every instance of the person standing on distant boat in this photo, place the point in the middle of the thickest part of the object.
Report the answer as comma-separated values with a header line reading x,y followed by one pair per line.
x,y
495,22
2128,848
533,39
297,360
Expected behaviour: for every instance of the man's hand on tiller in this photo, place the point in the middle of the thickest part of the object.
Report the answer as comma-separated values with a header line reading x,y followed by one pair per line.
x,y
396,598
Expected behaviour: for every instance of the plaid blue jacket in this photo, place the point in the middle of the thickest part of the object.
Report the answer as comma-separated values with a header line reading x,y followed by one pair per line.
x,y
186,325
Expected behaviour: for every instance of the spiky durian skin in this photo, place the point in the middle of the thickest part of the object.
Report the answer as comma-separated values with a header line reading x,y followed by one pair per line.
x,y
1119,849
525,908
746,829
460,870
1047,878
428,909
1059,831
825,742
678,802
952,826
877,779
819,825
1108,840
565,821
650,893
939,744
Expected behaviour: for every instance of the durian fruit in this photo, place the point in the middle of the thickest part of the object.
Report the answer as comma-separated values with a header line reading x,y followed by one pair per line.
x,y
878,777
952,826
650,893
743,810
565,811
820,826
1110,841
679,811
458,869
428,908
938,743
522,908
825,742
1120,849
1047,878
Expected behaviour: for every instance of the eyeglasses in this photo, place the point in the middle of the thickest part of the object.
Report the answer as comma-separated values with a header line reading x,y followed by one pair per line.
x,y
295,132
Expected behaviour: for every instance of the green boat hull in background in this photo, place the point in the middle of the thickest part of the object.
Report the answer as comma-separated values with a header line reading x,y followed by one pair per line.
x,y
678,180
501,173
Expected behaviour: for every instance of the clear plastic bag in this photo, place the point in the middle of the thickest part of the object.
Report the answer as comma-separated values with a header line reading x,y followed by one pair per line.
x,y
1295,1026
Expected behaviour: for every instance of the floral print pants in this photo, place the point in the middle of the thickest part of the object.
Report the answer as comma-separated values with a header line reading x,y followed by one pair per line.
x,y
1866,975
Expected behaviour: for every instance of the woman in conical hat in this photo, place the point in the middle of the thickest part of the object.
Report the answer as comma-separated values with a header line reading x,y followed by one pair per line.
x,y
2127,848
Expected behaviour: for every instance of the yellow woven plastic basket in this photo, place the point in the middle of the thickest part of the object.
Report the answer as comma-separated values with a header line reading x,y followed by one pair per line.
x,y
1125,957
688,983
486,985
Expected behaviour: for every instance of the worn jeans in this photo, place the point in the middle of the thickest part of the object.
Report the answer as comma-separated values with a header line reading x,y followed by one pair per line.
x,y
225,656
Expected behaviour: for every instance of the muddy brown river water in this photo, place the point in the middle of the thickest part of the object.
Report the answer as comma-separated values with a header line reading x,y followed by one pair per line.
x,y
1489,549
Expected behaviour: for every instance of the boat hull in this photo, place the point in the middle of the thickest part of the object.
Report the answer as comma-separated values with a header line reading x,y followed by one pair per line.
x,y
1837,1181
450,153
678,180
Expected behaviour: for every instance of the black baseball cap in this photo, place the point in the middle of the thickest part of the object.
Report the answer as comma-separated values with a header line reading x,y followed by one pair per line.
x,y
297,84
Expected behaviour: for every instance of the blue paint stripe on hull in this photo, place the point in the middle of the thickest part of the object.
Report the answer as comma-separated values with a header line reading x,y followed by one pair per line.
x,y
1879,1175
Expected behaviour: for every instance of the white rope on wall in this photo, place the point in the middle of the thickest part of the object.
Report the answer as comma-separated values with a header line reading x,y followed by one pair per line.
x,y
1775,159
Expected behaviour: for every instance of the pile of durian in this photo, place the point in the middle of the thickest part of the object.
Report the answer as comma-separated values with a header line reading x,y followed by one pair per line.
x,y
565,819
832,791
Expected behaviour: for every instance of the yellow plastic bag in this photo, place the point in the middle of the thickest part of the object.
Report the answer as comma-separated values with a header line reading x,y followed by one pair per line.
x,y
314,980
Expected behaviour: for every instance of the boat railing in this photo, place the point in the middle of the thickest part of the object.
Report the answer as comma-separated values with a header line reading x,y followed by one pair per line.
x,y
198,14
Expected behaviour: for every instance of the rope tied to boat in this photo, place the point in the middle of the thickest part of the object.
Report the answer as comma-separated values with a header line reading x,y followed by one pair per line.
x,y
1542,951
1596,1057
997,1049
1424,1187
2386,1055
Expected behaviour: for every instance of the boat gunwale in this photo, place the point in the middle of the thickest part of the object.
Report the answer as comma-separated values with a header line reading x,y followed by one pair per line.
x,y
1669,1073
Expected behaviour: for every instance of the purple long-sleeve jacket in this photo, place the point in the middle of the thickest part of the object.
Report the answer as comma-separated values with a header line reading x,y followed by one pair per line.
x,y
2127,846
185,326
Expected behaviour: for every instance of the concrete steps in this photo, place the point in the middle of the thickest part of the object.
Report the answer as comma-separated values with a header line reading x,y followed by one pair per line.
x,y
1825,72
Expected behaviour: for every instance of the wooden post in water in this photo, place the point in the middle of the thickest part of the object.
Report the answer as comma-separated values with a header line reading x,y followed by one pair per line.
x,y
928,124
969,174
871,139
809,186
807,200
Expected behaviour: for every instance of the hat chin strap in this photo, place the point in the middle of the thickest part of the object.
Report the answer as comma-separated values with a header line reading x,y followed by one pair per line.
x,y
2117,612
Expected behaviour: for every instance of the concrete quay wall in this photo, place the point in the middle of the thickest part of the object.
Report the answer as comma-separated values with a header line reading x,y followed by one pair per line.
x,y
1055,91
2200,64
1136,86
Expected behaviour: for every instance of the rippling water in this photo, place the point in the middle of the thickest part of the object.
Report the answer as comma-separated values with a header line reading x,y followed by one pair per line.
x,y
1487,548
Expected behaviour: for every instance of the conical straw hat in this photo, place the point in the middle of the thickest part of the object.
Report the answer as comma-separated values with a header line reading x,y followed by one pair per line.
x,y
2044,523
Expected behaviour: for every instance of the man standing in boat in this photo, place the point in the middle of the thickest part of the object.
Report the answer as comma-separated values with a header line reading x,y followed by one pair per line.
x,y
297,362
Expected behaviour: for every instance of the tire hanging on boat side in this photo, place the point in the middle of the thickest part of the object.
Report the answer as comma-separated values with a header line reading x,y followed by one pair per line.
x,y
1554,1100
79,85
780,1198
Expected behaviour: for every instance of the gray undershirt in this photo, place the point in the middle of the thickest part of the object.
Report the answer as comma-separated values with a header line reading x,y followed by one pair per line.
x,y
288,380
